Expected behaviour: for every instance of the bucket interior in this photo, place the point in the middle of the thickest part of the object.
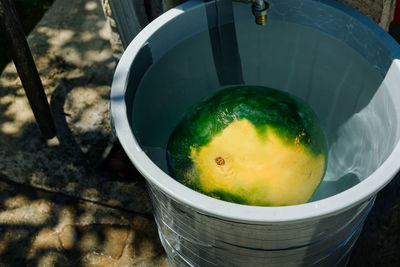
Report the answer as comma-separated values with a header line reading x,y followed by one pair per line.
x,y
315,51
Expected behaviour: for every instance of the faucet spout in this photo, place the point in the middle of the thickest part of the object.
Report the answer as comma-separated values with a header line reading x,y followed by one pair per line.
x,y
259,9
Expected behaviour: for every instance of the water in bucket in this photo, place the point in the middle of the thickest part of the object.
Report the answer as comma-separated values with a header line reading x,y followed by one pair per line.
x,y
335,80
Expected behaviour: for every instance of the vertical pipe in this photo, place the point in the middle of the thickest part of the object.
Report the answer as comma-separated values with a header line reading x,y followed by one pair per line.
x,y
26,68
396,18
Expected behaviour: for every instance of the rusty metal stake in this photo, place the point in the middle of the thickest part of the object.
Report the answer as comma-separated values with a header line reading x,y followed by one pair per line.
x,y
26,68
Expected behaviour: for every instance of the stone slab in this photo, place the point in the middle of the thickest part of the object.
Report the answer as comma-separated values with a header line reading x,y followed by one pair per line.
x,y
380,11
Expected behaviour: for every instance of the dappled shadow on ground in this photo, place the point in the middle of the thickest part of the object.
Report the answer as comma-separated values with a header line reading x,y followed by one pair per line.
x,y
38,228
73,56
72,53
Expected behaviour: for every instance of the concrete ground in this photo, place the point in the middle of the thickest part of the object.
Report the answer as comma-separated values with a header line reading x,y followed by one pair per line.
x,y
72,201
38,228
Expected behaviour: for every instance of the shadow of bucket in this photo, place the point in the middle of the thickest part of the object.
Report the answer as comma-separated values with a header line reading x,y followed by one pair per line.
x,y
333,57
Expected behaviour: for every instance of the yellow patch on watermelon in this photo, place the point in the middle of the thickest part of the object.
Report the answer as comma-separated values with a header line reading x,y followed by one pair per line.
x,y
264,170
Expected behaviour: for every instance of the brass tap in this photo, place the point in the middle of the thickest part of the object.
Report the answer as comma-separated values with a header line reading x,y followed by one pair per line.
x,y
259,9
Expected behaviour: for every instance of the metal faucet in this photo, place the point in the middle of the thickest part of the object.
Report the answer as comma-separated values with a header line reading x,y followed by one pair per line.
x,y
259,9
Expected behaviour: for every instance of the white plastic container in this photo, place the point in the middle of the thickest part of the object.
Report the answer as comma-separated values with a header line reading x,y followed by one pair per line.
x,y
337,60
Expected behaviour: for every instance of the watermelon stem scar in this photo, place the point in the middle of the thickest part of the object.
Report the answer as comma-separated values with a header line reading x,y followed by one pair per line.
x,y
220,161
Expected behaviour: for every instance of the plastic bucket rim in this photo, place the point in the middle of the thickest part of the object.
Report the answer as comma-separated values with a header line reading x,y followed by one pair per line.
x,y
214,207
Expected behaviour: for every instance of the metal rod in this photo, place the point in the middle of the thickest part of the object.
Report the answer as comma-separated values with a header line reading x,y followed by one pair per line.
x,y
26,68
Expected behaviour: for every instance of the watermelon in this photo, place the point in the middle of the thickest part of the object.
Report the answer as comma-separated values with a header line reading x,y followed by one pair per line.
x,y
250,145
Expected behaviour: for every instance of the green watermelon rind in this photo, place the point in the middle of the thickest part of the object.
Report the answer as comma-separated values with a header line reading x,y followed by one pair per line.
x,y
288,115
